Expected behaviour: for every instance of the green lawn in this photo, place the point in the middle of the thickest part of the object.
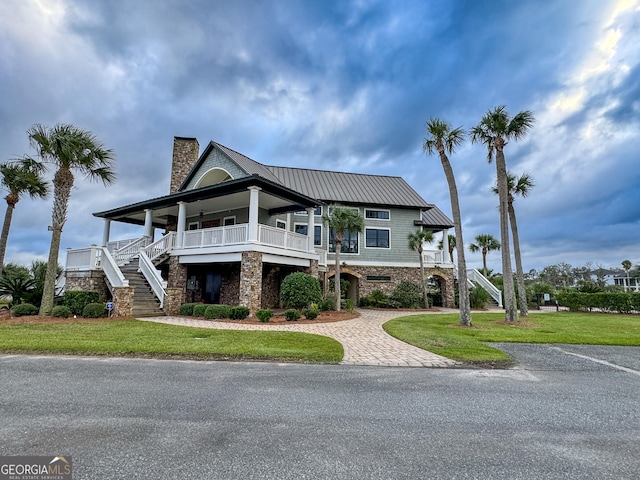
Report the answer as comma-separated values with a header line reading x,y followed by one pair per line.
x,y
145,339
442,334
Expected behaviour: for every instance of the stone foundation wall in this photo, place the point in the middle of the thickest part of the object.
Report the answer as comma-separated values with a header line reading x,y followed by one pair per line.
x,y
271,281
172,301
177,277
230,288
91,281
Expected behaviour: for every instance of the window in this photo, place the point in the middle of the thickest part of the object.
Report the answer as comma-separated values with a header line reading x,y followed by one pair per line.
x,y
377,238
229,221
281,224
377,214
317,212
349,242
379,278
301,228
193,225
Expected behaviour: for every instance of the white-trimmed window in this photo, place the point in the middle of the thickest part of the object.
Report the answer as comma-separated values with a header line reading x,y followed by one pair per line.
x,y
281,224
377,214
227,221
377,237
349,242
301,228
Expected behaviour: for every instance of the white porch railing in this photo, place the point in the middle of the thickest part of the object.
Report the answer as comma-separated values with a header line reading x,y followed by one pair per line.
x,y
110,268
118,244
475,276
83,258
148,269
433,257
216,237
160,247
279,237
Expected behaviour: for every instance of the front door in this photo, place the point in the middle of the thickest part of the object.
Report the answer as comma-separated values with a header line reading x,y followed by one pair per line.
x,y
212,284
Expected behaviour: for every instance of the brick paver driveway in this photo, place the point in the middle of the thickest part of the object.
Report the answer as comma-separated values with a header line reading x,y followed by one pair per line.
x,y
363,339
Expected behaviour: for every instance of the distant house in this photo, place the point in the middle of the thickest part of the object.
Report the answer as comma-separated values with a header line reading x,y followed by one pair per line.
x,y
629,285
233,228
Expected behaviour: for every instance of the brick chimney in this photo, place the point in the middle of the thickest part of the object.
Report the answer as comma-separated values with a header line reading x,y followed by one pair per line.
x,y
185,156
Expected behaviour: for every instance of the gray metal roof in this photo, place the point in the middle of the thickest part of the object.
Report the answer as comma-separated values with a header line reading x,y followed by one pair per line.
x,y
248,165
353,188
434,217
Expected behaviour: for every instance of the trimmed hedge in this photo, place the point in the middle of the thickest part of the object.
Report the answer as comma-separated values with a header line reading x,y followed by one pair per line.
x,y
217,311
310,313
605,301
187,308
238,313
94,310
76,300
299,290
24,309
199,309
292,315
264,314
61,311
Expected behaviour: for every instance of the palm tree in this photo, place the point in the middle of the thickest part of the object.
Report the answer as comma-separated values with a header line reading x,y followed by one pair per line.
x,y
68,148
626,264
451,241
19,177
341,220
416,240
518,186
443,139
495,130
484,243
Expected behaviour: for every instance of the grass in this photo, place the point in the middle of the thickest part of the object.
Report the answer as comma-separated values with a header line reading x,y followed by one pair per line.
x,y
442,334
133,338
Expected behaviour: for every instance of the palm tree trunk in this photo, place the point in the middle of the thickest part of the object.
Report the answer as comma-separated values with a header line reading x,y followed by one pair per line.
x,y
522,293
62,183
484,262
511,313
8,215
336,286
463,286
425,297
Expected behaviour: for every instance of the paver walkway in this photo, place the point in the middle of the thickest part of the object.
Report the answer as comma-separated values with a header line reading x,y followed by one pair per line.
x,y
363,339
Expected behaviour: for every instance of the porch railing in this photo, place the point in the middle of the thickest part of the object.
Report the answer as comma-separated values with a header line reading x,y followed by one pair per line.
x,y
118,244
161,246
83,258
216,237
124,254
433,257
279,237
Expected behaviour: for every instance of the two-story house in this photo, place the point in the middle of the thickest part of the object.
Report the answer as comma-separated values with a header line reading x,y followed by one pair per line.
x,y
233,228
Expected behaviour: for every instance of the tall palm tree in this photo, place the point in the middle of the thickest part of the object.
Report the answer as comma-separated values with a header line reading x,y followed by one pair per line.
x,y
485,243
495,130
69,149
19,177
443,139
518,186
341,220
626,264
451,242
416,240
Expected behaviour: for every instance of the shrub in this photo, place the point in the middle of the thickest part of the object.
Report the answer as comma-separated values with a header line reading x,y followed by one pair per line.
x,y
24,309
264,314
478,297
238,313
199,309
327,303
378,299
217,311
605,301
61,311
94,310
310,313
408,295
349,305
299,290
365,302
292,315
76,300
187,308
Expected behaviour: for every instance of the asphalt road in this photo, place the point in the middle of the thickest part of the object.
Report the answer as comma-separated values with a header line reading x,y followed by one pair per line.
x,y
554,416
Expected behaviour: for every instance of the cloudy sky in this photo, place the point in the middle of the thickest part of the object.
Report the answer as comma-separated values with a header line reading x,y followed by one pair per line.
x,y
340,85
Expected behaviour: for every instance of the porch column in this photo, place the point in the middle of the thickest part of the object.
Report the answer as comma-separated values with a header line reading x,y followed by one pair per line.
x,y
106,232
311,229
253,213
182,221
148,224
445,247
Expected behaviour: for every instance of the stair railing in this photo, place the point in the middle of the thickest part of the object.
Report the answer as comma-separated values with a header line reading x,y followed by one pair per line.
x,y
152,274
126,253
115,277
161,246
475,276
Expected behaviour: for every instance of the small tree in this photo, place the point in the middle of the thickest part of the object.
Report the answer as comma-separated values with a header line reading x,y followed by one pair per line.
x,y
416,241
299,290
341,220
484,243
